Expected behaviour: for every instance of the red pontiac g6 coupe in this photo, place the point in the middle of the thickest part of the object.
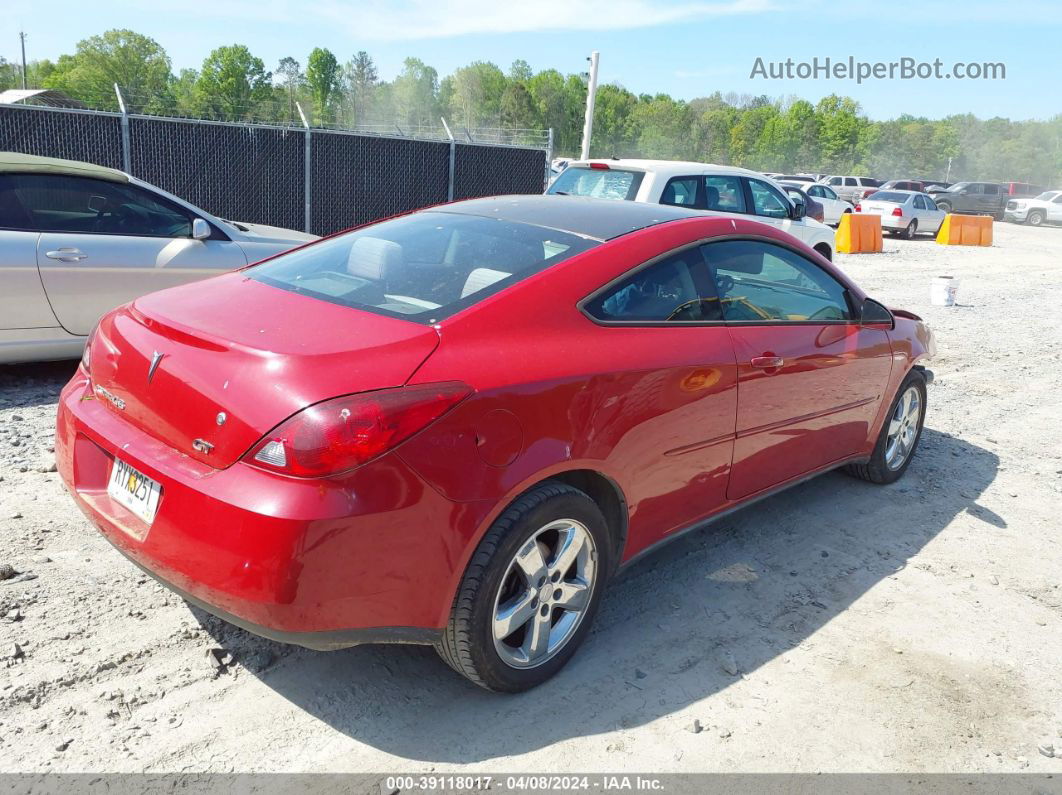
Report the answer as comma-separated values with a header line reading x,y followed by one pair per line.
x,y
453,427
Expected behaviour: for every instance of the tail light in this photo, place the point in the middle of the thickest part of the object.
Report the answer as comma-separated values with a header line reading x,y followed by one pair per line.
x,y
897,212
859,208
343,433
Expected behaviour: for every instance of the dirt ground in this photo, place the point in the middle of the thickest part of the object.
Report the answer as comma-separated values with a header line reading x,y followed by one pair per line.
x,y
840,626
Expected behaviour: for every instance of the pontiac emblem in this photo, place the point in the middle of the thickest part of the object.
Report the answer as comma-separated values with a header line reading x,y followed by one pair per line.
x,y
156,359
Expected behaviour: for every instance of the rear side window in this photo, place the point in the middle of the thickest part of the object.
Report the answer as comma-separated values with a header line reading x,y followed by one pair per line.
x,y
423,267
12,214
94,206
850,182
762,283
674,289
723,193
681,192
991,190
601,183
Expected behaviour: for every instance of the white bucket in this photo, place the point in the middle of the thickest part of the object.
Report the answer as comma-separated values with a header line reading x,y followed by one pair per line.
x,y
943,290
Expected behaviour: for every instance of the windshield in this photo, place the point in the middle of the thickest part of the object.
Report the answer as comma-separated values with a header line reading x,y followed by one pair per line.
x,y
958,186
1046,196
601,183
422,267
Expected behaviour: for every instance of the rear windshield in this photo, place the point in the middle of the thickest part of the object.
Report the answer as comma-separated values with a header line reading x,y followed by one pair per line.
x,y
889,196
422,267
612,183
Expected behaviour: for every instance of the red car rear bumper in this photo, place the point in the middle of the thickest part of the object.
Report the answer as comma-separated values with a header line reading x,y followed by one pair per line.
x,y
373,557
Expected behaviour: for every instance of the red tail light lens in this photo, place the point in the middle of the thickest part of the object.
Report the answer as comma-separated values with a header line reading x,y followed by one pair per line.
x,y
341,434
897,212
600,166
859,208
86,354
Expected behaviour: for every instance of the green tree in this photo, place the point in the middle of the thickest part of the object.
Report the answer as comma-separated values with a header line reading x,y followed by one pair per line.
x,y
841,126
232,83
361,80
416,92
138,64
290,77
477,91
322,79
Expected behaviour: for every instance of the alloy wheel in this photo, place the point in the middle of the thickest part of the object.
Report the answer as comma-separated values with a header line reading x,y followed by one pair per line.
x,y
544,594
903,428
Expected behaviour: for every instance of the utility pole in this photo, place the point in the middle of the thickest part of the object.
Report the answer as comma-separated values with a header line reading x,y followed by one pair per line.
x,y
948,175
22,40
591,91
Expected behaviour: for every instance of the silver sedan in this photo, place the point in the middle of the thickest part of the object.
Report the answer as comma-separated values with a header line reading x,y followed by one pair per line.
x,y
904,212
77,240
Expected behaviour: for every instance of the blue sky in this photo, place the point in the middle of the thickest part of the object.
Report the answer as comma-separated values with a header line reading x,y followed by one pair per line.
x,y
686,48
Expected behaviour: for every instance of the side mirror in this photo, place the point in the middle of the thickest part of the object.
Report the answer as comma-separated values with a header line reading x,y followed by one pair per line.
x,y
200,229
799,211
871,313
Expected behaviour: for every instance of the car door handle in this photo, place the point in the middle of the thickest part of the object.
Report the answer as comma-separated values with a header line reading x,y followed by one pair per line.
x,y
66,254
767,362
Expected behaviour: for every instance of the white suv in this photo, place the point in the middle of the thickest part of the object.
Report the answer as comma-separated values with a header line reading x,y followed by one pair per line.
x,y
719,190
852,189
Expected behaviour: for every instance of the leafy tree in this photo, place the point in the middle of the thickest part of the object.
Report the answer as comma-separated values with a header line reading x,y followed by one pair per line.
x,y
322,78
476,99
290,76
232,83
138,64
416,92
361,79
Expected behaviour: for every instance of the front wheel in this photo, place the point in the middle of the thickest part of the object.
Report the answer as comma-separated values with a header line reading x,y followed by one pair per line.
x,y
899,435
531,591
1035,218
944,207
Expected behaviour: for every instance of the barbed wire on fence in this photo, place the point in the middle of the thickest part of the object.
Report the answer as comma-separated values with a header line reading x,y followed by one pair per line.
x,y
276,112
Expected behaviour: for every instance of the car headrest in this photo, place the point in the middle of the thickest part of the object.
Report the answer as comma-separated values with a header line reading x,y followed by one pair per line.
x,y
711,196
374,258
480,278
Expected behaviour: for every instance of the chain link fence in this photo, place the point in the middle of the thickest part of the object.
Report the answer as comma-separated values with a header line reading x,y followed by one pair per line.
x,y
314,179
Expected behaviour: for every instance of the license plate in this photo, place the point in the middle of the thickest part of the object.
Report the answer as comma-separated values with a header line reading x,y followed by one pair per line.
x,y
877,210
137,492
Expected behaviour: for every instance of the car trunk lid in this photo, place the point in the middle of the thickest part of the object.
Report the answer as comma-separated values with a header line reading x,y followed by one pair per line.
x,y
210,367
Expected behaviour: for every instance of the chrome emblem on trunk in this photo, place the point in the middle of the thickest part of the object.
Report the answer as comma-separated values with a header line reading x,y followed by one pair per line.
x,y
202,446
156,359
113,398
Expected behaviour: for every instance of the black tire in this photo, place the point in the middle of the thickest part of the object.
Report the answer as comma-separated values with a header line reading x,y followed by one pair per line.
x,y
911,230
1035,218
826,252
467,644
877,470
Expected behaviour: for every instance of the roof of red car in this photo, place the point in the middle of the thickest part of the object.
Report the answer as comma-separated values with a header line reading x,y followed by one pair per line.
x,y
598,219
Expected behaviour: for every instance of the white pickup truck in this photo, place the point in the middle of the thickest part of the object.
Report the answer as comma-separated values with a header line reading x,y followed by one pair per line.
x,y
1044,209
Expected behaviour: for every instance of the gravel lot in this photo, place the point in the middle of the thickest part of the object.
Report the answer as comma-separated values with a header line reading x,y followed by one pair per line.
x,y
837,627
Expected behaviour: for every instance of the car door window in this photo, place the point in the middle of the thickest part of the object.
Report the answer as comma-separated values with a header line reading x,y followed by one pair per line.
x,y
681,192
12,214
850,182
724,193
674,289
767,201
919,204
93,206
759,282
833,181
991,190
1057,199
930,203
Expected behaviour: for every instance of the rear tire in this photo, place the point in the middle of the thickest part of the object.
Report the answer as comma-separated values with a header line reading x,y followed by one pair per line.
x,y
1035,218
900,434
518,569
911,230
944,207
